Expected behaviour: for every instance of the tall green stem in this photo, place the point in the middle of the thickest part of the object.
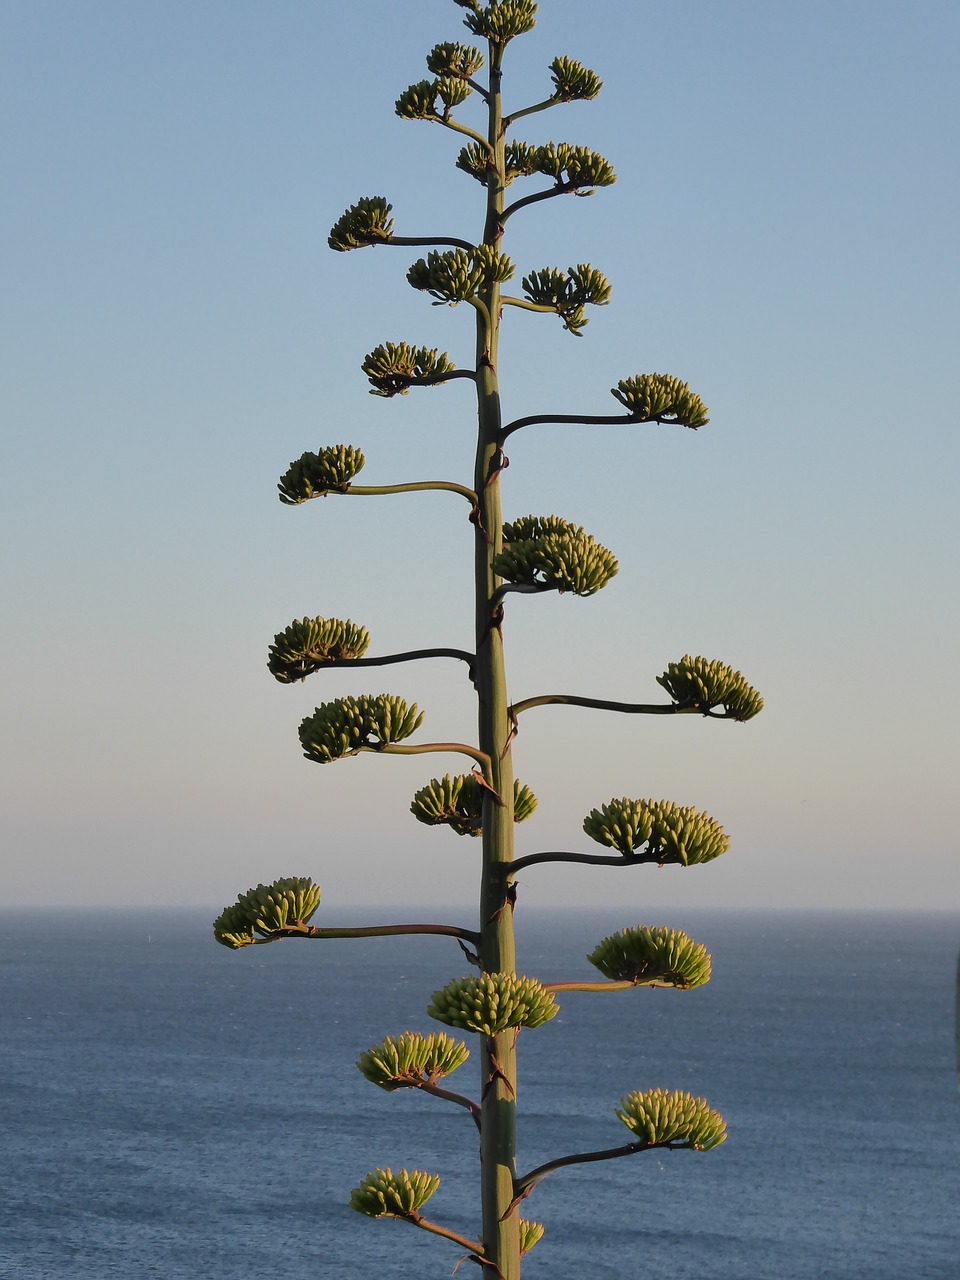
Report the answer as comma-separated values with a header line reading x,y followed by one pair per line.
x,y
497,951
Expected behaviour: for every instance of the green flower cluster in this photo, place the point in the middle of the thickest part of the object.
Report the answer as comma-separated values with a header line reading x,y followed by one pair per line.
x,y
568,293
409,1060
385,1194
549,552
493,1002
530,1234
456,275
573,82
573,168
699,683
660,1119
394,367
667,957
314,475
670,833
659,397
348,725
451,59
500,20
308,644
263,911
366,222
420,101
457,802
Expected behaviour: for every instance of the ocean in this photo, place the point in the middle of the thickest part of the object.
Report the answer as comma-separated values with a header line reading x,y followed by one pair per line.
x,y
169,1108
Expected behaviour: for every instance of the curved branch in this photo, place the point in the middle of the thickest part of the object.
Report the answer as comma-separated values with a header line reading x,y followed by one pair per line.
x,y
436,379
435,1091
412,655
372,931
478,305
414,486
413,242
509,120
625,708
476,1249
599,704
622,985
508,300
396,749
526,1184
467,133
588,859
521,588
580,419
561,189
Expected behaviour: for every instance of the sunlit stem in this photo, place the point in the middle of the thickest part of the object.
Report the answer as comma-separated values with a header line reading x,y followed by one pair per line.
x,y
509,301
529,111
501,1232
467,132
415,1220
459,748
414,486
529,1180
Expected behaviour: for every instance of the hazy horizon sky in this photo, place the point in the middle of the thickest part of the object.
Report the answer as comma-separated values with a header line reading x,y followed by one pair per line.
x,y
782,235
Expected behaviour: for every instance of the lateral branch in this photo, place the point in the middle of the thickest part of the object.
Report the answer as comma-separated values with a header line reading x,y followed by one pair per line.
x,y
621,420
435,1091
372,931
587,859
411,655
625,708
418,486
523,1186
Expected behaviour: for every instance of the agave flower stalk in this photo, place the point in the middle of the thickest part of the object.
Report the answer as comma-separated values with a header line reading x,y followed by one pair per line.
x,y
521,556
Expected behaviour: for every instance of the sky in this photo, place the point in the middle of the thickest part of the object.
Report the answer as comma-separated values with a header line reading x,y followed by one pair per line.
x,y
782,235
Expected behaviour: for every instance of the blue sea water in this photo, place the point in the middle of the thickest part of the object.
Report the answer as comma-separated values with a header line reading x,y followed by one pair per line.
x,y
169,1108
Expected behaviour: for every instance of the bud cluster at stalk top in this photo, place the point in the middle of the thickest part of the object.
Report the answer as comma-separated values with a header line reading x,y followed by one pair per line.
x,y
500,20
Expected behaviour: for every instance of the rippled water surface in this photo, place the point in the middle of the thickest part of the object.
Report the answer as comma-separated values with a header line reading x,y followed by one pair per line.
x,y
173,1109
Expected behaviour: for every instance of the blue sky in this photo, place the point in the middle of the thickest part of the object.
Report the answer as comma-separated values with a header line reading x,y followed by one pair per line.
x,y
783,235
